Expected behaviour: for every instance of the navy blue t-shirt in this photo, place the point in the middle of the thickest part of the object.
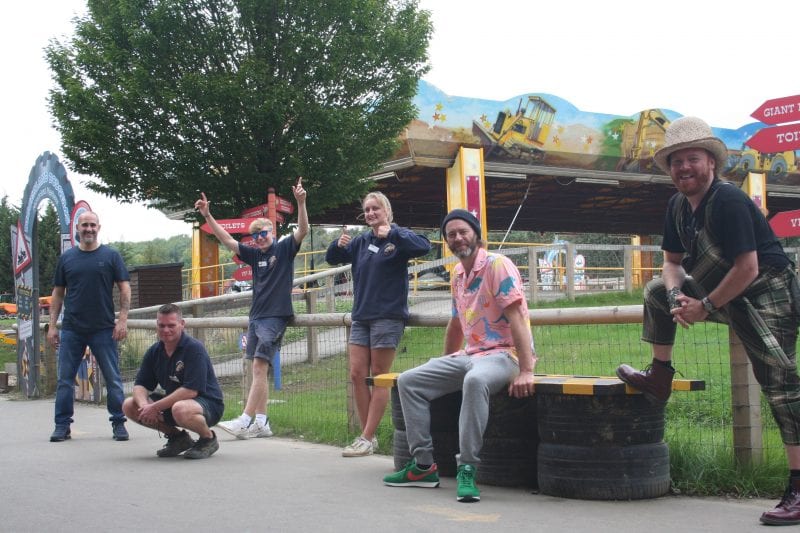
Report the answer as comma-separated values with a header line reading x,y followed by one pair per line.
x,y
736,223
273,274
189,367
89,278
380,271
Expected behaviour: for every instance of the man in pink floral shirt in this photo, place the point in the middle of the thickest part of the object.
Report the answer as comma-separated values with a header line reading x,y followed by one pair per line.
x,y
489,347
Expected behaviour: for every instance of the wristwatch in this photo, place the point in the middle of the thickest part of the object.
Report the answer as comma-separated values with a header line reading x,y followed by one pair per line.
x,y
708,305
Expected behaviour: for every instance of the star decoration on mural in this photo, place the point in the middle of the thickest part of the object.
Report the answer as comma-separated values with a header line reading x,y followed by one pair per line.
x,y
439,106
556,139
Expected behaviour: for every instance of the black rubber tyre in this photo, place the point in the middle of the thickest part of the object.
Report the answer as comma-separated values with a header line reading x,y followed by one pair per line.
x,y
397,410
508,462
604,473
599,420
444,412
513,418
445,448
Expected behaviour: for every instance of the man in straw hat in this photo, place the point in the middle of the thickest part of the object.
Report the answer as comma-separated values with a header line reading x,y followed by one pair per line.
x,y
723,263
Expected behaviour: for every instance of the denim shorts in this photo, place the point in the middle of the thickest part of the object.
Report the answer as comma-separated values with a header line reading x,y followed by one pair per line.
x,y
380,333
264,336
212,411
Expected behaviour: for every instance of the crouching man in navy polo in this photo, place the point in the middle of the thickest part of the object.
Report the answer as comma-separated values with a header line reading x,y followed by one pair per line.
x,y
191,398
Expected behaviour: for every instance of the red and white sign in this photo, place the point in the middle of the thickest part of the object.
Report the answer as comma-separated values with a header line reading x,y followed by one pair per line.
x,y
282,205
22,253
786,223
255,212
243,273
231,225
778,110
80,208
473,196
776,139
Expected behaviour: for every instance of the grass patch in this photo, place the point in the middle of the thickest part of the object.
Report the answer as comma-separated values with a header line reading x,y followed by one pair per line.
x,y
8,352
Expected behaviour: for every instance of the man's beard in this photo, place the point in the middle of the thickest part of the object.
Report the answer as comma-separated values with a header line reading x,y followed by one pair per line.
x,y
465,250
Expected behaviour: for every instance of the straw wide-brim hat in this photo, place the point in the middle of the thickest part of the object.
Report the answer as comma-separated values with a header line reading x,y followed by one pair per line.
x,y
690,132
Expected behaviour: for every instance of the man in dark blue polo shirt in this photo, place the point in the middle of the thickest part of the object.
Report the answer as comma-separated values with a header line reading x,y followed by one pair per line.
x,y
272,261
191,398
83,285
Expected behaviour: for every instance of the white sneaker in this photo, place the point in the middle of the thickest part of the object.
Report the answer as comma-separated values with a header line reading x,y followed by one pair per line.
x,y
235,427
374,444
256,430
360,447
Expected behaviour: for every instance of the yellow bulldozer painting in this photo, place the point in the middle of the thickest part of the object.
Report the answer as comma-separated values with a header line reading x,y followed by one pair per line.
x,y
776,165
640,139
520,134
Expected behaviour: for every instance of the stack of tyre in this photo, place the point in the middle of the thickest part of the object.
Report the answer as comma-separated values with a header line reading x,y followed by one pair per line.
x,y
602,447
510,442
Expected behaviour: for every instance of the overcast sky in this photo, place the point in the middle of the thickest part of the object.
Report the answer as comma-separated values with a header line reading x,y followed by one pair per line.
x,y
718,61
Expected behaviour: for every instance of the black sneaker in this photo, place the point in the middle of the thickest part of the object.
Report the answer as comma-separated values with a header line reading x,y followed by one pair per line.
x,y
118,431
176,445
60,434
203,448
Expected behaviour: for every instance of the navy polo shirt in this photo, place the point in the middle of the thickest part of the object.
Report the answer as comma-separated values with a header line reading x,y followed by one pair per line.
x,y
189,367
380,271
273,274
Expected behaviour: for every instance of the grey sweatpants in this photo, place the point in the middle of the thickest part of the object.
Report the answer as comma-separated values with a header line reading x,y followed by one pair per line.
x,y
477,377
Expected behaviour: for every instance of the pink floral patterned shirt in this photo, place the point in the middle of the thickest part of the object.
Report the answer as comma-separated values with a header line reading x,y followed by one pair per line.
x,y
480,298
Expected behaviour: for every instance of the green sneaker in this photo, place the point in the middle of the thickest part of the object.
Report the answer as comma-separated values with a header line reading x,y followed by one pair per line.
x,y
467,491
411,476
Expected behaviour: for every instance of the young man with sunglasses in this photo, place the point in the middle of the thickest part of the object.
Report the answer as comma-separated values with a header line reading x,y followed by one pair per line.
x,y
272,262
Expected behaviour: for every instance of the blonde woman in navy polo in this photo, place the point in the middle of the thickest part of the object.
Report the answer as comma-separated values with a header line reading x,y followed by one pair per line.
x,y
379,259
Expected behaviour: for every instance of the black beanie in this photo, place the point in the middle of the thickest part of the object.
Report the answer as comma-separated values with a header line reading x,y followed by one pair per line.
x,y
464,215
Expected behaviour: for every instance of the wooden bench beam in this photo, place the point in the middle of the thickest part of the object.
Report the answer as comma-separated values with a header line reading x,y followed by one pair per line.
x,y
565,384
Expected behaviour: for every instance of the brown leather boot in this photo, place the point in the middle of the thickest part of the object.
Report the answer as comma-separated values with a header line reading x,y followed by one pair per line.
x,y
655,381
787,512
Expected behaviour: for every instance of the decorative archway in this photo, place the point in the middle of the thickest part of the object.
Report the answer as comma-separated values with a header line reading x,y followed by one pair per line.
x,y
47,181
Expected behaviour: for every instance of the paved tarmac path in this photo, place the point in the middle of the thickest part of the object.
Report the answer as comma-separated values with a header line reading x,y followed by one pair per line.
x,y
92,483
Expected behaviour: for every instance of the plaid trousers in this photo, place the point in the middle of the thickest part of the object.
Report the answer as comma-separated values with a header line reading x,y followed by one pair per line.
x,y
766,318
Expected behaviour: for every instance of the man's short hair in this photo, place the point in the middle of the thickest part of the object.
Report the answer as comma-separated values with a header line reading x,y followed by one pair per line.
x,y
259,224
170,309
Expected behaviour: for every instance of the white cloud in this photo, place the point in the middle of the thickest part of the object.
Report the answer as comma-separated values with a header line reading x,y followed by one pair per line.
x,y
719,61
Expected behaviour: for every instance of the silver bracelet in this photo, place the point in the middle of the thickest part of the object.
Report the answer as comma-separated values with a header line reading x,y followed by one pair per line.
x,y
672,297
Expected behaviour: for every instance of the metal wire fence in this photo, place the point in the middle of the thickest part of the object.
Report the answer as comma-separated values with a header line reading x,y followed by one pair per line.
x,y
309,396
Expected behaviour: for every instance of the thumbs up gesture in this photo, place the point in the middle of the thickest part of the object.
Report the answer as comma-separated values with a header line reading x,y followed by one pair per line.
x,y
344,239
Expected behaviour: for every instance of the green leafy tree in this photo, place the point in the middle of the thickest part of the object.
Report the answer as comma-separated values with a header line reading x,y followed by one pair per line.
x,y
48,238
125,249
161,99
8,217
